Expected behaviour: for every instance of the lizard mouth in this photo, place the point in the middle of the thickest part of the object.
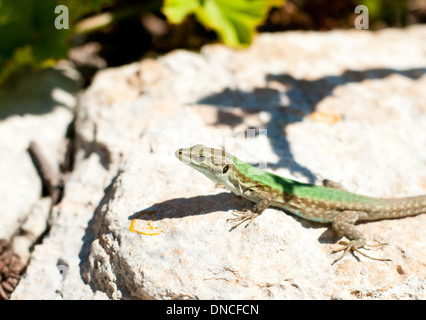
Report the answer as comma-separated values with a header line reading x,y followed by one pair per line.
x,y
178,154
186,159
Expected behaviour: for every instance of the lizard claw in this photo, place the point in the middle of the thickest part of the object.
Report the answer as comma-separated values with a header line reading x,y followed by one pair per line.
x,y
354,246
238,214
377,245
241,217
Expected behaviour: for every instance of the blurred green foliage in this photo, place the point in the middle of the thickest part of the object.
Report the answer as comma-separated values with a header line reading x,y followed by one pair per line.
x,y
391,12
234,21
28,34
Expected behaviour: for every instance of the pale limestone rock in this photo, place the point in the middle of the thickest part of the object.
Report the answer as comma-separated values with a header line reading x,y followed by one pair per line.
x,y
36,107
368,133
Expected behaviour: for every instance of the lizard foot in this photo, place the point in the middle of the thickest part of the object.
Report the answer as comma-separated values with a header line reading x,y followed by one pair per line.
x,y
354,246
241,217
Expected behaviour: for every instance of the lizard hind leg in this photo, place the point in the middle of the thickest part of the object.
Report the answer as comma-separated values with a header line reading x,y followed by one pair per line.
x,y
343,223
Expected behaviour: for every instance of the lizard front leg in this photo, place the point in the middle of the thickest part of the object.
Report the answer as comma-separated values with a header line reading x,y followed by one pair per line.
x,y
249,215
343,223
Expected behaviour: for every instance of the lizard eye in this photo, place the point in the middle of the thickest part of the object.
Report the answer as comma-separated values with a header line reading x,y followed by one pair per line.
x,y
201,158
225,168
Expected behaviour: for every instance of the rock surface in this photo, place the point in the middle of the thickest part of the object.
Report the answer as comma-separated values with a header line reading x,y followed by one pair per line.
x,y
38,107
136,223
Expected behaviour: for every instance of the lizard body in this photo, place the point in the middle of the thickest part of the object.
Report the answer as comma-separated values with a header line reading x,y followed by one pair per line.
x,y
324,204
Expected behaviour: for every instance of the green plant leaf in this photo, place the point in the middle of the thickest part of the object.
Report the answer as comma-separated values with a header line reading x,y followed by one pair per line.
x,y
234,21
177,10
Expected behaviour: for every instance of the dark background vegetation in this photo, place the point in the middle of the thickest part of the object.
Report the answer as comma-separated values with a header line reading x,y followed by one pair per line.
x,y
106,33
148,32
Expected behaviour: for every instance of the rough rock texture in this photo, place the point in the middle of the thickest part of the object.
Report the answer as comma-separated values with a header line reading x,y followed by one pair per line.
x,y
36,107
136,223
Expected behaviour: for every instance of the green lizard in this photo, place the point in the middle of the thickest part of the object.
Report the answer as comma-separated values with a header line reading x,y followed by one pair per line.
x,y
325,204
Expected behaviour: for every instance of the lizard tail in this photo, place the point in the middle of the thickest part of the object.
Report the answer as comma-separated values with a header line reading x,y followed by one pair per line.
x,y
403,207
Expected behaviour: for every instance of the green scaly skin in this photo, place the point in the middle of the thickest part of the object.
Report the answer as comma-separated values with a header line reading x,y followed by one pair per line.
x,y
324,204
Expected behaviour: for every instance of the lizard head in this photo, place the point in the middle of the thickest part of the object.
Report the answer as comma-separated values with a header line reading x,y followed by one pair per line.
x,y
213,163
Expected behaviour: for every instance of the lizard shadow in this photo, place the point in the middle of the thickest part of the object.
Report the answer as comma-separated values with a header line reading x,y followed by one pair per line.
x,y
178,208
182,207
329,236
